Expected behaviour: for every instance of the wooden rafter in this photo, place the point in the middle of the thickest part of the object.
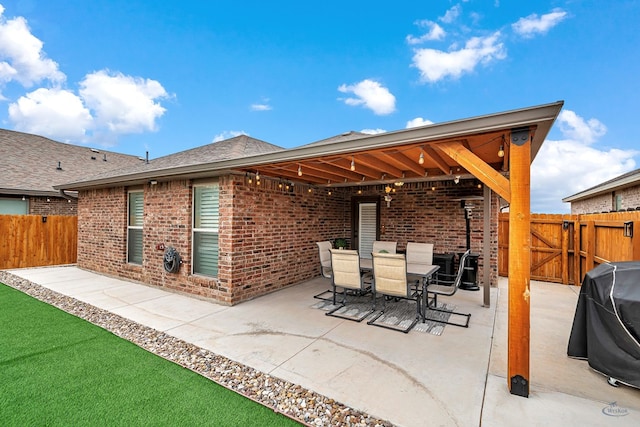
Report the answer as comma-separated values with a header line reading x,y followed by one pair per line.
x,y
475,165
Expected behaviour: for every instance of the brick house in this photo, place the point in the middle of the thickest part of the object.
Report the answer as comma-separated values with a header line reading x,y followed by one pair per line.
x,y
618,194
31,165
244,215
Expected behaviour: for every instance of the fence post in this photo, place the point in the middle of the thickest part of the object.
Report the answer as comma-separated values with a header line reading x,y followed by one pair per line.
x,y
635,241
565,251
591,246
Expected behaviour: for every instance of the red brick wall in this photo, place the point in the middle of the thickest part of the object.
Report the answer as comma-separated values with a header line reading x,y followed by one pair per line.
x,y
52,206
419,214
267,234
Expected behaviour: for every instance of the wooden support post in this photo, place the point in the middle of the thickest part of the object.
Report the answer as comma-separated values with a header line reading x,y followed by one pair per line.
x,y
519,262
486,248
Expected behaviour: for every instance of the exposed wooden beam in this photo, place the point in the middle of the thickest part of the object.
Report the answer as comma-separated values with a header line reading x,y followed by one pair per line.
x,y
519,330
361,169
437,159
406,163
391,159
476,166
375,163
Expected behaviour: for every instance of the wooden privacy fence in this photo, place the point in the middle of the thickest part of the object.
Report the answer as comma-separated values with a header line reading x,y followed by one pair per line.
x,y
565,247
34,240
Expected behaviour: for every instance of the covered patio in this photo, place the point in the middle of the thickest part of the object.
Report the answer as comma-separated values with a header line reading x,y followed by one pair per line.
x,y
411,379
273,207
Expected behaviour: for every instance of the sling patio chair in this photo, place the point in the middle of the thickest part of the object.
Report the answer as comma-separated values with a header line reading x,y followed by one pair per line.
x,y
382,245
419,256
345,265
446,285
390,280
324,253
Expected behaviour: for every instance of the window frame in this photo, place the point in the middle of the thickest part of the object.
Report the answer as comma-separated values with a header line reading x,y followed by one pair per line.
x,y
134,227
204,230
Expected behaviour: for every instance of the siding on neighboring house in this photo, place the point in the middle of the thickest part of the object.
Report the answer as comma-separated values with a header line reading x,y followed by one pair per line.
x,y
52,206
267,235
601,203
629,199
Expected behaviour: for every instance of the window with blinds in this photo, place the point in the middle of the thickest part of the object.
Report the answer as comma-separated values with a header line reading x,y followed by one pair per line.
x,y
206,216
134,227
367,228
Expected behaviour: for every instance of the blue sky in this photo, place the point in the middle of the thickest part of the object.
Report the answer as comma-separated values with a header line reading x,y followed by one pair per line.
x,y
166,76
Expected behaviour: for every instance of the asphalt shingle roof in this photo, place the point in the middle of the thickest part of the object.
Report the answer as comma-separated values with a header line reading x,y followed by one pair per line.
x,y
29,163
232,148
628,179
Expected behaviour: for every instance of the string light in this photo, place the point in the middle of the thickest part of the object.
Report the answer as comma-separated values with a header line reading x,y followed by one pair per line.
x,y
353,164
501,151
421,159
299,170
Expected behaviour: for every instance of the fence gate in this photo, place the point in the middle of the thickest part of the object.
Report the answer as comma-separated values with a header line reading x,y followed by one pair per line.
x,y
565,247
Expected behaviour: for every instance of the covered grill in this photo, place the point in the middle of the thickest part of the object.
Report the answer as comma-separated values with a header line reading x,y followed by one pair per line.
x,y
606,326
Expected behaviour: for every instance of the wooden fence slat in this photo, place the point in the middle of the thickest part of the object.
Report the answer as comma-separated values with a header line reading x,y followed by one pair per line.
x,y
28,241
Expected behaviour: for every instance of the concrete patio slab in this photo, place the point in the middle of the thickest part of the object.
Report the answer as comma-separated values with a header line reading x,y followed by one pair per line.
x,y
411,379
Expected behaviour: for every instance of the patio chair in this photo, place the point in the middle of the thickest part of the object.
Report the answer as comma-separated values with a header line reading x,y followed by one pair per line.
x,y
380,245
447,285
418,255
345,265
390,280
324,253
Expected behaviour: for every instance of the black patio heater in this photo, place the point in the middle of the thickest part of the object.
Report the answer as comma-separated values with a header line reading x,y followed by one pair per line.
x,y
470,273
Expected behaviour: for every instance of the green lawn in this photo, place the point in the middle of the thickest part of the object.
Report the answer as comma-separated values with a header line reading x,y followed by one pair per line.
x,y
57,369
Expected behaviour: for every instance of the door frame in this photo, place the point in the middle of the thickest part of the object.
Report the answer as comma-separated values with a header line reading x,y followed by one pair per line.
x,y
355,217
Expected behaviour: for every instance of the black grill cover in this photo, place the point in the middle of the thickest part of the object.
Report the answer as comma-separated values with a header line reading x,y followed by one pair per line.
x,y
606,326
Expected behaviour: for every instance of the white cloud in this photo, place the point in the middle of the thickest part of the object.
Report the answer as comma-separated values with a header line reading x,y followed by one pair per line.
x,y
228,134
451,14
56,113
418,121
534,24
435,65
260,107
373,131
123,104
21,56
435,32
107,106
370,94
567,166
576,128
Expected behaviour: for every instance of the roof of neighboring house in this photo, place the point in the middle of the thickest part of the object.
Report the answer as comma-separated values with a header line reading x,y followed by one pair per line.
x,y
233,148
626,180
32,164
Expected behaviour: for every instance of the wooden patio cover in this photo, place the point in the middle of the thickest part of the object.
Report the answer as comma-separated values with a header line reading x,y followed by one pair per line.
x,y
497,150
